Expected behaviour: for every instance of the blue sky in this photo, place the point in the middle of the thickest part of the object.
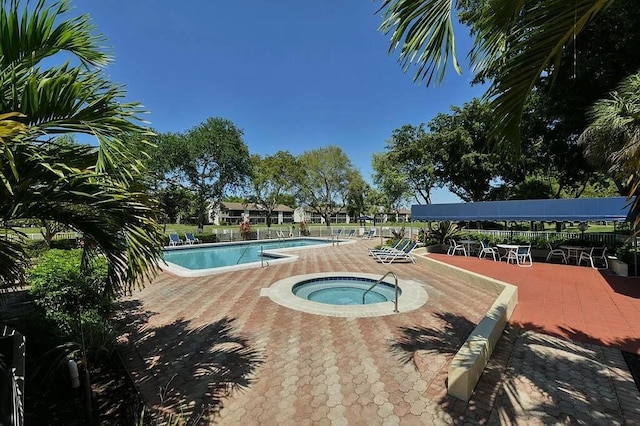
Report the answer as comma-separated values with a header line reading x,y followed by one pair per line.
x,y
294,75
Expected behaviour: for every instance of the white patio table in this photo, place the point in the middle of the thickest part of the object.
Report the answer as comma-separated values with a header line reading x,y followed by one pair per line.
x,y
510,248
574,251
469,245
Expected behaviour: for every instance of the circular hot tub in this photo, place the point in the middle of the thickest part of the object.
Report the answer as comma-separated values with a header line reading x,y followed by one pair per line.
x,y
340,294
347,290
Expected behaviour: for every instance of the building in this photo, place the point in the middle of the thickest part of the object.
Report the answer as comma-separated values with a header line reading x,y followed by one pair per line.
x,y
233,213
401,215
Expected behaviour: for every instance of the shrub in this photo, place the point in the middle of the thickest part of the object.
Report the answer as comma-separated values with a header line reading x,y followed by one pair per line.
x,y
444,232
208,238
61,287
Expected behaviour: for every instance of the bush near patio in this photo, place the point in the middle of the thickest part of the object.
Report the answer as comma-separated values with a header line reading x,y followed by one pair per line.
x,y
72,296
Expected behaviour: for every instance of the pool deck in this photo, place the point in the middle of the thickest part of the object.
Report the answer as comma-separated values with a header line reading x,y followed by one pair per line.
x,y
191,336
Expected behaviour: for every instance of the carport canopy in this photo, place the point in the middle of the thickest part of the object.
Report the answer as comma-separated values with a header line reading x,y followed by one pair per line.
x,y
555,210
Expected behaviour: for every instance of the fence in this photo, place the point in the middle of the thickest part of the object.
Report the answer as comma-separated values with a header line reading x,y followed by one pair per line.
x,y
605,238
38,236
275,232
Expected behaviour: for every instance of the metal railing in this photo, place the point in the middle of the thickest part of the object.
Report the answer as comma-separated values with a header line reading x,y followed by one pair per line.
x,y
395,277
243,253
596,237
262,261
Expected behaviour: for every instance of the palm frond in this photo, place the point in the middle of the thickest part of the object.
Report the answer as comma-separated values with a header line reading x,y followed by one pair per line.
x,y
424,31
9,130
29,35
13,259
536,40
65,100
115,218
516,42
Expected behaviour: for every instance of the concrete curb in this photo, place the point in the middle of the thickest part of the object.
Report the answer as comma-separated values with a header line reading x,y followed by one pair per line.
x,y
467,365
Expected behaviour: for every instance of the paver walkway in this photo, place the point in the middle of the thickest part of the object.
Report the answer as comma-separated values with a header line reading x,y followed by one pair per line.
x,y
577,302
191,340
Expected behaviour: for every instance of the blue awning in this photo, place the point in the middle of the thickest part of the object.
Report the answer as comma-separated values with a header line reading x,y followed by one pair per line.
x,y
565,209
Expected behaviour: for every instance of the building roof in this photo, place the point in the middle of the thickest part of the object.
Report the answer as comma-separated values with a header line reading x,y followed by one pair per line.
x,y
566,209
253,207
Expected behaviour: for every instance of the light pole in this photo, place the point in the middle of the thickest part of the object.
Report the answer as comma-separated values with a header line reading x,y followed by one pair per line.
x,y
582,226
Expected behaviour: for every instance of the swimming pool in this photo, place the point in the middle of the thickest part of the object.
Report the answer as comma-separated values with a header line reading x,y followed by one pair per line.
x,y
207,259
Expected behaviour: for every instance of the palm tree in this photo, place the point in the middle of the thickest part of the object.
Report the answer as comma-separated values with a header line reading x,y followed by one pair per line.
x,y
93,190
613,137
515,43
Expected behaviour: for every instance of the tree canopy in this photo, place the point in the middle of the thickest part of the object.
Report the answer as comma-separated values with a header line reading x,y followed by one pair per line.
x,y
322,179
209,160
272,180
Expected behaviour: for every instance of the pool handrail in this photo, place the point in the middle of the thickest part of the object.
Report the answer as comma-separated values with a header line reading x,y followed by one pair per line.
x,y
243,253
395,277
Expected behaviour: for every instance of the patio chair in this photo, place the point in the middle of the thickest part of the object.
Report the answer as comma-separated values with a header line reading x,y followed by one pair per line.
x,y
174,239
352,233
403,255
487,249
596,253
522,256
338,232
558,252
455,247
189,238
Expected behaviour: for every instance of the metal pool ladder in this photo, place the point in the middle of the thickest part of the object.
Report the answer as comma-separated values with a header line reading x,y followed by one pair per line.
x,y
395,277
243,252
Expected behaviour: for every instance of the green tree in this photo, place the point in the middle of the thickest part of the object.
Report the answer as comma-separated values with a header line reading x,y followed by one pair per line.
x,y
408,167
515,43
92,190
209,160
391,183
596,63
357,195
521,46
322,179
465,161
612,138
271,180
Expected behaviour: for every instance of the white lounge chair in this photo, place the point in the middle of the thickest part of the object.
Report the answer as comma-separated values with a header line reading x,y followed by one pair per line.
x,y
398,255
189,238
368,234
175,240
398,245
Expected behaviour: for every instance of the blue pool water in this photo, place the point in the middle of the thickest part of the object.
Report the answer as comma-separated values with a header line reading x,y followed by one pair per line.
x,y
228,255
344,290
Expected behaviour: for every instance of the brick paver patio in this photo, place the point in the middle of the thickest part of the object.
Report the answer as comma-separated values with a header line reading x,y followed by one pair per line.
x,y
191,336
577,302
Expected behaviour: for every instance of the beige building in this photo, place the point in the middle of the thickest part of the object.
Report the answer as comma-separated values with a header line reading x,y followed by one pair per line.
x,y
234,213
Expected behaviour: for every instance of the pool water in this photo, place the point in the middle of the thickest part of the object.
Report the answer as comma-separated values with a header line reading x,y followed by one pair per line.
x,y
232,254
344,291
